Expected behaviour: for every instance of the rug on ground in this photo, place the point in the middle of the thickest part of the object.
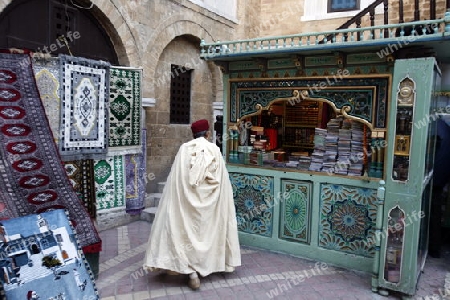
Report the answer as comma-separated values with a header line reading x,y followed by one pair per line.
x,y
41,259
32,177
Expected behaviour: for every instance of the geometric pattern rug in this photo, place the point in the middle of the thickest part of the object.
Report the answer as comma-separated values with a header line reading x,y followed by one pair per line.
x,y
135,170
125,111
109,177
84,114
32,177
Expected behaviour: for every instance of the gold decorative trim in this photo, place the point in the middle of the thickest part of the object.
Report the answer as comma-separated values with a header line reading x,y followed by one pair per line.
x,y
442,93
298,96
343,111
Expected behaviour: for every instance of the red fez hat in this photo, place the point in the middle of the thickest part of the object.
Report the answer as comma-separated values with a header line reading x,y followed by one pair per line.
x,y
199,126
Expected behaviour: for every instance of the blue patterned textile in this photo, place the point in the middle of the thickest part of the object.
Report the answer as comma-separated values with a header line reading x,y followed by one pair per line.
x,y
40,257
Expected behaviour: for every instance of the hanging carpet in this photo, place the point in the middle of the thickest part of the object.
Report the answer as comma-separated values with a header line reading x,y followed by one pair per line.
x,y
47,76
81,175
109,176
125,111
135,178
84,108
32,177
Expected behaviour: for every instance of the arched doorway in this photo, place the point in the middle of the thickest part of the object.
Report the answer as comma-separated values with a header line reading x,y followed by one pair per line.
x,y
35,249
54,27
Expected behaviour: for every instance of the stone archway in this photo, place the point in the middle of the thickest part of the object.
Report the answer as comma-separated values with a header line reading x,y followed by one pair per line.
x,y
167,31
176,30
111,20
120,31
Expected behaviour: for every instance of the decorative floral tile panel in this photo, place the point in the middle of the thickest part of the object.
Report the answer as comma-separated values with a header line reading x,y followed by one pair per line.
x,y
347,219
254,201
295,210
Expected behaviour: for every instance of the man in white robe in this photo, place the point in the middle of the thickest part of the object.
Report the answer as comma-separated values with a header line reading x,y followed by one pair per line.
x,y
195,228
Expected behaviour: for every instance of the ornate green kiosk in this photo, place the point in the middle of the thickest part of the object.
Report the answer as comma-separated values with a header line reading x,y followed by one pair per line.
x,y
330,146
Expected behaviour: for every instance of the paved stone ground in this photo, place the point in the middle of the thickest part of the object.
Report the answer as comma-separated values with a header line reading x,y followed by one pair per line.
x,y
263,275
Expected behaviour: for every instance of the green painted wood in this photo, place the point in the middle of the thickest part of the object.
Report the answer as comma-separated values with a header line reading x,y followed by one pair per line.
x,y
295,213
342,39
288,72
312,250
308,246
405,194
243,65
381,192
408,195
366,96
281,63
322,60
364,58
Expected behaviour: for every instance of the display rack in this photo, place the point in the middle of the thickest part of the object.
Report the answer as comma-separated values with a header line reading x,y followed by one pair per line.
x,y
300,122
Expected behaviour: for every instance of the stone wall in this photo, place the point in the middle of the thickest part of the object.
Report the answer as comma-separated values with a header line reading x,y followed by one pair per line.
x,y
159,33
165,138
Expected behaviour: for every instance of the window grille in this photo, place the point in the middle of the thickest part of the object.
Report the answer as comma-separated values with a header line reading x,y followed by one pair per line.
x,y
180,95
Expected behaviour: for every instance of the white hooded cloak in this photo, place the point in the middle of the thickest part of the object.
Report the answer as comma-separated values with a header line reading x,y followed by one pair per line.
x,y
195,228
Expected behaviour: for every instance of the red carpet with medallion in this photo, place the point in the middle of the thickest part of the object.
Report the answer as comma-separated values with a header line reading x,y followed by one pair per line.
x,y
32,177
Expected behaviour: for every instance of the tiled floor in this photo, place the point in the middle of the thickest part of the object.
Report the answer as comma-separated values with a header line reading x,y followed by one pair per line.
x,y
263,275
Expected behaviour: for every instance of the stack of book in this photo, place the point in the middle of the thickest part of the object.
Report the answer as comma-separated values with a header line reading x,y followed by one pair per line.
x,y
319,150
304,162
339,149
344,148
331,145
292,164
357,152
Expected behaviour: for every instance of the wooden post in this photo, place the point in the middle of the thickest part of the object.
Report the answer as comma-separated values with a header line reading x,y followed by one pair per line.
x,y
417,10
372,21
386,17
378,236
433,9
358,25
400,11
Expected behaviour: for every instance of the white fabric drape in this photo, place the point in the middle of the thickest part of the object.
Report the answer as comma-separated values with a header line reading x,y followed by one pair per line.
x,y
195,228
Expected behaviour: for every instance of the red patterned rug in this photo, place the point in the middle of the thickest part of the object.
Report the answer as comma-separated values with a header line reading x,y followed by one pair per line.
x,y
32,177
